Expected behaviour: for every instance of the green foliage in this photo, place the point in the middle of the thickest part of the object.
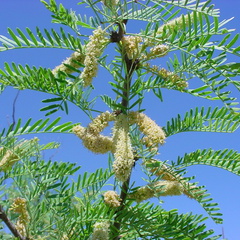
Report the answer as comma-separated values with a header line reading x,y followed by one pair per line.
x,y
225,159
198,46
146,221
216,120
40,126
47,39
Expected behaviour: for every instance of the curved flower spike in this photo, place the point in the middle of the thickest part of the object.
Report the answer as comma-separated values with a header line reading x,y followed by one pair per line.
x,y
122,148
154,134
91,137
77,56
20,206
160,188
94,50
190,189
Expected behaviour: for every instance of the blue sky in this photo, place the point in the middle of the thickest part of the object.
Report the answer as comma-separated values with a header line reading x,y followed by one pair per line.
x,y
223,186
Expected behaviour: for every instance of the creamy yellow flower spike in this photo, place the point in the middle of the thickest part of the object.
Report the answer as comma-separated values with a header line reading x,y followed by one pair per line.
x,y
91,137
9,157
78,56
122,148
112,199
154,135
132,46
160,188
20,206
94,49
101,231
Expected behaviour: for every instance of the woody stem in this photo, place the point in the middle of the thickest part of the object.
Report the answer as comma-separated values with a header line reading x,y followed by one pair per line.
x,y
130,67
10,225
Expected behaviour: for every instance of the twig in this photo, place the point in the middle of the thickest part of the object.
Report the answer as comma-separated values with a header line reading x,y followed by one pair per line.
x,y
14,110
123,196
10,225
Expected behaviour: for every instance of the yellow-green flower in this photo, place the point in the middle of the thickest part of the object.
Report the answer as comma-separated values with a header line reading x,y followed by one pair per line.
x,y
122,148
94,49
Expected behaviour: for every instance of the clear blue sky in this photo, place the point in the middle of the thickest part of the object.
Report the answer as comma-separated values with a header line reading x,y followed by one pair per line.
x,y
223,186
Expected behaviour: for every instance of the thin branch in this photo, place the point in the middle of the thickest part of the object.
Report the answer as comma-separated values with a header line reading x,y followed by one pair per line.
x,y
14,110
10,225
123,196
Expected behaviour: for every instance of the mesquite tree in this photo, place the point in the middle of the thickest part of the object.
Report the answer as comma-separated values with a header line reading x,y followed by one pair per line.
x,y
38,199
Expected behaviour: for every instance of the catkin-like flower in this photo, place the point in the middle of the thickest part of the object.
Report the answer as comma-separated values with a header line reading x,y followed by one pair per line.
x,y
101,231
168,174
176,23
91,137
166,29
94,50
160,188
110,3
171,79
94,142
21,228
132,46
160,50
154,135
76,60
122,148
20,206
161,170
100,122
112,199
8,159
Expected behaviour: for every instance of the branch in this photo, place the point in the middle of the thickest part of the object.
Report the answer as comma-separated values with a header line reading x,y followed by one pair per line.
x,y
131,66
123,196
14,110
10,225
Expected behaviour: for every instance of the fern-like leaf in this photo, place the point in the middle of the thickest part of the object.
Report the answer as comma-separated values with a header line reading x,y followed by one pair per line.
x,y
39,39
225,159
40,126
209,120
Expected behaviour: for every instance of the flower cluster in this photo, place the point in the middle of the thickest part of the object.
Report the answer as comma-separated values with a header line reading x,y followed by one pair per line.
x,y
100,231
170,79
94,50
161,170
91,137
166,29
169,175
122,148
112,199
76,60
20,206
154,135
120,143
110,3
132,46
160,50
160,188
9,157
100,122
176,24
